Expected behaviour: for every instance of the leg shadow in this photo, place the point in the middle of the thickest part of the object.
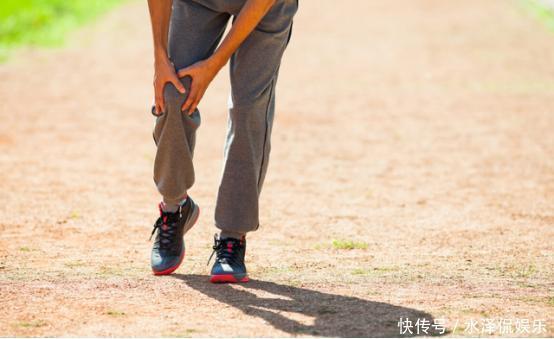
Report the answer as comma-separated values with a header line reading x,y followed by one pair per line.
x,y
333,315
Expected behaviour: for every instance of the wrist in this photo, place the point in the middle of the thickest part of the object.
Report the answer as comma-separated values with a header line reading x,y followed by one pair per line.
x,y
216,62
160,55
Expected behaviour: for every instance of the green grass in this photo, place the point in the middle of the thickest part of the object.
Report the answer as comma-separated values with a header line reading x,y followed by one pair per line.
x,y
44,22
74,264
374,270
188,332
549,301
541,11
74,215
526,271
361,271
115,313
516,271
32,324
349,245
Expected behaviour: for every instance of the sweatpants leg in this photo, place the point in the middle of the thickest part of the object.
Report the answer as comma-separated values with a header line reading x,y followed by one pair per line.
x,y
254,69
194,34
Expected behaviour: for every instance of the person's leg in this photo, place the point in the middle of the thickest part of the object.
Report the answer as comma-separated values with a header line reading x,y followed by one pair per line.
x,y
254,69
194,33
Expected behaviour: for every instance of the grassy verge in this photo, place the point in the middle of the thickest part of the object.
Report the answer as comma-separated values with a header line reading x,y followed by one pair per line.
x,y
44,22
542,10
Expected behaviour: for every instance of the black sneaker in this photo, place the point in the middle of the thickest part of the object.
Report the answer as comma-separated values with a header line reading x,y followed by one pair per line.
x,y
169,247
229,262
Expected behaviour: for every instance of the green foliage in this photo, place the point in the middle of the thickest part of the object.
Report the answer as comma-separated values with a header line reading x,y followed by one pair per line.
x,y
44,22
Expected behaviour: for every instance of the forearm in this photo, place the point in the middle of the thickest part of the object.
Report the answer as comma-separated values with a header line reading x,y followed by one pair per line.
x,y
250,15
160,13
164,71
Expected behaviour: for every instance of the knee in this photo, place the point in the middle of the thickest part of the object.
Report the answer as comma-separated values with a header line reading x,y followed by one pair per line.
x,y
173,98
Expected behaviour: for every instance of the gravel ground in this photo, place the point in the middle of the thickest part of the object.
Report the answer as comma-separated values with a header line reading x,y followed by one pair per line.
x,y
412,176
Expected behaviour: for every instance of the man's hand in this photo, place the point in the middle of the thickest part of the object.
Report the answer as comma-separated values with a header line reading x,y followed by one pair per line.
x,y
202,74
164,72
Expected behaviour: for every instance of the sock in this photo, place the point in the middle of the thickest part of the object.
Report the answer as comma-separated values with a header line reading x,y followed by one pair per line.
x,y
231,234
172,208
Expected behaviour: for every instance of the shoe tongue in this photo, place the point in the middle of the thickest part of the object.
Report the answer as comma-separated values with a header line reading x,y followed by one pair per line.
x,y
164,209
170,216
229,242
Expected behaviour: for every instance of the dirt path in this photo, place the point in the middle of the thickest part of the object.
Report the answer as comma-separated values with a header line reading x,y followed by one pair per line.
x,y
421,130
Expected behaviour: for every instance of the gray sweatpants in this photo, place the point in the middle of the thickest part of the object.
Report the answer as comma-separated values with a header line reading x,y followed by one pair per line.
x,y
196,28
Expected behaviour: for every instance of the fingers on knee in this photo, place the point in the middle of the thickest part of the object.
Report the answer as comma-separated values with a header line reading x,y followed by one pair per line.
x,y
173,98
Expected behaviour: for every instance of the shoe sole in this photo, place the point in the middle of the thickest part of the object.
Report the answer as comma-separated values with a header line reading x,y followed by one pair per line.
x,y
227,278
193,220
172,268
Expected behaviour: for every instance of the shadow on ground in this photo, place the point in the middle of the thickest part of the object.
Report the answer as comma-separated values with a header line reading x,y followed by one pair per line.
x,y
333,315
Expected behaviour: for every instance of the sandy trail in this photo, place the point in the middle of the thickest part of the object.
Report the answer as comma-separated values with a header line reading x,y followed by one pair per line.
x,y
422,130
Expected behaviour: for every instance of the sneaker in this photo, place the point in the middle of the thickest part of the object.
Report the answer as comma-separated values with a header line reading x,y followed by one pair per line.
x,y
229,262
169,246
